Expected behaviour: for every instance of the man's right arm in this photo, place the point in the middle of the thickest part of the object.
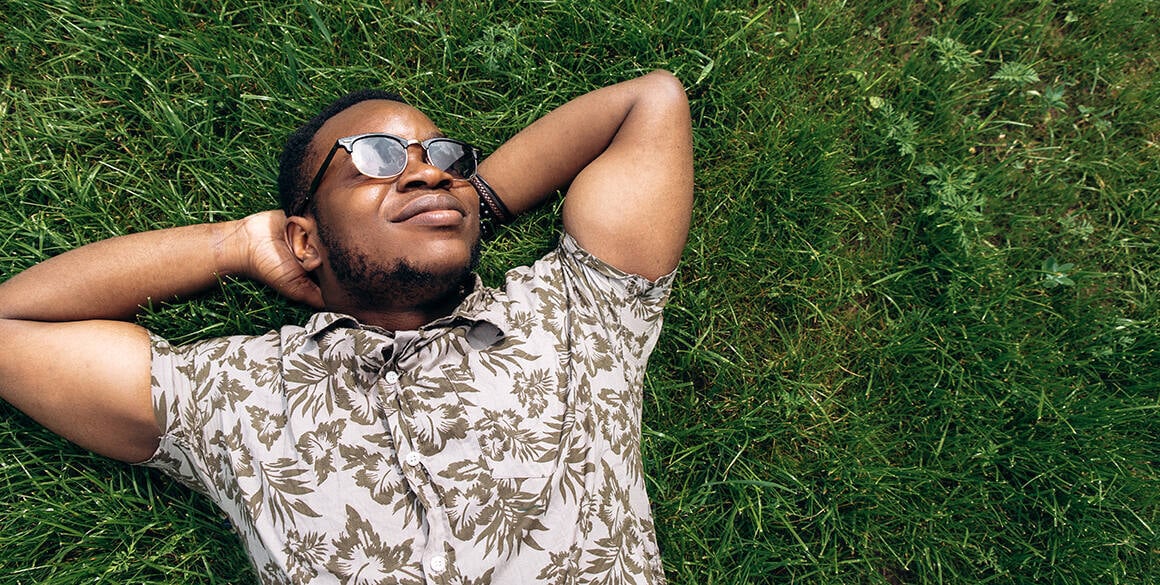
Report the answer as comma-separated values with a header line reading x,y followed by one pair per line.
x,y
69,359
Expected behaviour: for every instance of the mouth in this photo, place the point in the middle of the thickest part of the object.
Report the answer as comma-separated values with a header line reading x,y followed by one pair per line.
x,y
435,209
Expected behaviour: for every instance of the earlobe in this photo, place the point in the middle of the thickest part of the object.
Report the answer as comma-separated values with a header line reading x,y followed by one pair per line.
x,y
301,236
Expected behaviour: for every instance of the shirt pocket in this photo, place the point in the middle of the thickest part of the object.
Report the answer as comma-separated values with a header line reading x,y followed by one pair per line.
x,y
518,446
515,422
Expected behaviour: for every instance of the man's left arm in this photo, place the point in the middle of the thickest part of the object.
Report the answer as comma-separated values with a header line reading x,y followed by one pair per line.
x,y
625,154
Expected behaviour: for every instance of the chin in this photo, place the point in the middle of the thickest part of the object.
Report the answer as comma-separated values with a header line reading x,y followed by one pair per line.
x,y
429,268
451,255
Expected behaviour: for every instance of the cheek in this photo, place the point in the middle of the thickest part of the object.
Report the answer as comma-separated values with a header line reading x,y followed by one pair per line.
x,y
351,221
354,197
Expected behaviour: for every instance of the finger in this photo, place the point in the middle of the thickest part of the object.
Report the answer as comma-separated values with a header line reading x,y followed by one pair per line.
x,y
306,291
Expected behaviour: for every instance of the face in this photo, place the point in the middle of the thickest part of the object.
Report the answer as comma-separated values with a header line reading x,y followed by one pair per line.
x,y
407,240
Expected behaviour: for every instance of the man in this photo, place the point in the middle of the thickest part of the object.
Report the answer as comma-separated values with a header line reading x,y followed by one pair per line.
x,y
421,428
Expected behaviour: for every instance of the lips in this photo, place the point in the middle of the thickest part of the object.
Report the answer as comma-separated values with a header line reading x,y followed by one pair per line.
x,y
433,204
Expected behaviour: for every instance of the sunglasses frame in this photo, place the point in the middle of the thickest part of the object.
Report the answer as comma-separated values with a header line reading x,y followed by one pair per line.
x,y
347,143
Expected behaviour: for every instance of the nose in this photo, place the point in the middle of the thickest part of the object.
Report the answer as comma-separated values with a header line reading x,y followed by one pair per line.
x,y
420,174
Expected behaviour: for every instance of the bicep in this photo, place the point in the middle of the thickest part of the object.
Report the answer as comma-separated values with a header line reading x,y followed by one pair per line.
x,y
631,206
88,381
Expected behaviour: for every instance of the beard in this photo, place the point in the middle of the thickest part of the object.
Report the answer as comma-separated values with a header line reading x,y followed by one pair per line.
x,y
374,284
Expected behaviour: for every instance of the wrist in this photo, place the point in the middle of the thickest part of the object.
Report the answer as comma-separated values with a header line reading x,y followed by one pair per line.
x,y
492,211
230,242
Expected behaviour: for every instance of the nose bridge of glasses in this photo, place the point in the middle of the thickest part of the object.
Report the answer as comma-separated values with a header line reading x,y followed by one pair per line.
x,y
425,155
425,149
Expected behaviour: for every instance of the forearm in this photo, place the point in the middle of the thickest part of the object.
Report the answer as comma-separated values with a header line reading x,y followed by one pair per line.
x,y
547,155
112,279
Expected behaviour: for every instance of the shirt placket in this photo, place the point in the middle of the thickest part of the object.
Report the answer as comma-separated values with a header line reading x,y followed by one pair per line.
x,y
393,386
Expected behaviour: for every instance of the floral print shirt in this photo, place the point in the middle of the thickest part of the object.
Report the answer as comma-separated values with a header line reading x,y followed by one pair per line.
x,y
500,444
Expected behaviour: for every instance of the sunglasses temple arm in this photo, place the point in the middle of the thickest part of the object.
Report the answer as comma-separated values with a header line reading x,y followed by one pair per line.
x,y
321,173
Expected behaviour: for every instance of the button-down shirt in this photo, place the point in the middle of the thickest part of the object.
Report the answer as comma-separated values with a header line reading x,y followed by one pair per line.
x,y
499,444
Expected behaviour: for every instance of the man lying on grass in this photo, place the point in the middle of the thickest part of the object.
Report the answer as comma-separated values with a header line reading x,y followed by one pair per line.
x,y
421,427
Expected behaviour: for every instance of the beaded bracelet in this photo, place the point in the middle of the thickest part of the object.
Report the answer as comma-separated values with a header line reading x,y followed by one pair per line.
x,y
492,211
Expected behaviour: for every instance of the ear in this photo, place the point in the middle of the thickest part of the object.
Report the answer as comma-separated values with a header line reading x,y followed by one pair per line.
x,y
302,237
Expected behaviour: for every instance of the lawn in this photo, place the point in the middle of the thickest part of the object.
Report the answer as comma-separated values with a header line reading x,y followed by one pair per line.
x,y
915,337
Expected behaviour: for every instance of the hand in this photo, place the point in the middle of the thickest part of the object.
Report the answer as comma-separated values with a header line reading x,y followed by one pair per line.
x,y
270,260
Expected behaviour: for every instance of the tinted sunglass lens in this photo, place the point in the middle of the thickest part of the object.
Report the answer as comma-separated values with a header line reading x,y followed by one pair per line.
x,y
379,157
453,157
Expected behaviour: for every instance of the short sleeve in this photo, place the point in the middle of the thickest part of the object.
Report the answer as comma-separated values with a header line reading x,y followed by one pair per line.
x,y
170,390
200,394
628,306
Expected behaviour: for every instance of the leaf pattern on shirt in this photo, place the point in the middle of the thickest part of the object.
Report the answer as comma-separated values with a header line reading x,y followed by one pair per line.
x,y
282,481
318,447
534,388
234,393
561,570
359,406
434,427
466,508
522,448
364,559
376,471
593,350
267,425
619,414
305,552
309,383
510,520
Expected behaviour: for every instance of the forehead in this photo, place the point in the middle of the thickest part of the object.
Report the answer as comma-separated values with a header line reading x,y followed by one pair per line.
x,y
376,116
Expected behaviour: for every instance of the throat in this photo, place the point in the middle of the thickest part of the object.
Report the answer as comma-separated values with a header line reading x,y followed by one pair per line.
x,y
402,304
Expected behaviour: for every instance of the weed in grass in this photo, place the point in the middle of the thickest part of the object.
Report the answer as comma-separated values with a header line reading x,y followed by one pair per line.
x,y
952,54
896,127
1056,274
1016,74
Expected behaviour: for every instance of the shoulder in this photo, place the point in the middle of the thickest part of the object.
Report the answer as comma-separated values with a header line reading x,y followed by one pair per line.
x,y
570,279
246,347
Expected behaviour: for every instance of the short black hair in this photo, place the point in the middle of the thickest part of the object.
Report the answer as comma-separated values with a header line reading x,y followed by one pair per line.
x,y
293,176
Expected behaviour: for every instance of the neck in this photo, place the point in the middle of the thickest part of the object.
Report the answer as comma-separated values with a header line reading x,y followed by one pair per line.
x,y
405,315
398,319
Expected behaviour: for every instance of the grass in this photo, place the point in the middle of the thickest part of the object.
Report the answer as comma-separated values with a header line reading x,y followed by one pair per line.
x,y
914,338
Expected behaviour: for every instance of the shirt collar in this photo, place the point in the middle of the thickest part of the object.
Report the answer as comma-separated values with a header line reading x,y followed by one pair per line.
x,y
481,312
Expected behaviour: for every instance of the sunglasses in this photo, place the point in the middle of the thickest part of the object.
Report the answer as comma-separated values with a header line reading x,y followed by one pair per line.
x,y
382,156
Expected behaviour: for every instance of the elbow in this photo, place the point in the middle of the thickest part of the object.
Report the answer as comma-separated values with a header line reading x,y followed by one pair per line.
x,y
664,86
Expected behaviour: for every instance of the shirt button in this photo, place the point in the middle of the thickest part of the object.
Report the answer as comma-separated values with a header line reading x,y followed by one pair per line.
x,y
391,377
438,564
412,458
